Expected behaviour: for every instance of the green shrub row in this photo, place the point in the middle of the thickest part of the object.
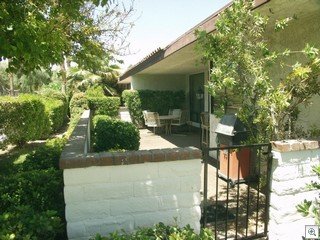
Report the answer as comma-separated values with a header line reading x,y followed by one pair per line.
x,y
23,118
104,105
157,101
100,105
57,111
31,196
114,134
161,232
30,117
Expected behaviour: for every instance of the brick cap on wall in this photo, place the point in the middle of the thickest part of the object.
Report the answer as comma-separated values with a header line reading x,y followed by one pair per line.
x,y
129,157
294,145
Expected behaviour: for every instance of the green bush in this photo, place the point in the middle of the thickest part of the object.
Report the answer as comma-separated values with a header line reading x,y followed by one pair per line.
x,y
156,101
104,105
95,91
25,223
162,232
132,100
78,103
57,112
23,119
31,197
114,134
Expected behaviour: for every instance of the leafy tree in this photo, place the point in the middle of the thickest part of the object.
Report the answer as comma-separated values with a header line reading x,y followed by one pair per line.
x,y
241,62
38,33
81,80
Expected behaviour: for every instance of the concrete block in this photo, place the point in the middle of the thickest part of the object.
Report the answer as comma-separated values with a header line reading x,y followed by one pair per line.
x,y
190,183
132,173
157,187
149,219
87,210
76,230
133,205
179,168
79,176
190,216
291,187
98,192
73,194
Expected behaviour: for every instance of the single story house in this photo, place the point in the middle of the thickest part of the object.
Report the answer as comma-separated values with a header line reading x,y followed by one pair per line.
x,y
178,66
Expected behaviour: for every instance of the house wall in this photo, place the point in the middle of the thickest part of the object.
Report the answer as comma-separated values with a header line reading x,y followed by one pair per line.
x,y
305,29
291,171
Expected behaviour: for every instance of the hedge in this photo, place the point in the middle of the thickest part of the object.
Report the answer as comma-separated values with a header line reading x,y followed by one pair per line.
x,y
23,119
156,101
104,105
114,134
57,112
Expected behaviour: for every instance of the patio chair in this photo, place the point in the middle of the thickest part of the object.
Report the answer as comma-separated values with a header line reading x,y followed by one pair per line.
x,y
144,112
181,117
152,120
205,127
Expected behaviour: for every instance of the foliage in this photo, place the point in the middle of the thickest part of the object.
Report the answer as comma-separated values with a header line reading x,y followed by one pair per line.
x,y
241,59
56,111
53,93
31,193
32,82
23,118
95,91
157,101
161,231
312,208
105,78
112,133
133,101
104,105
78,103
40,33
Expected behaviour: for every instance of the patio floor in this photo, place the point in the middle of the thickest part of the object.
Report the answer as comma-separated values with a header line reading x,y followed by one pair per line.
x,y
178,138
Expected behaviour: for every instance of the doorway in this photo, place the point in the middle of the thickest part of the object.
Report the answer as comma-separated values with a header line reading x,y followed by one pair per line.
x,y
196,89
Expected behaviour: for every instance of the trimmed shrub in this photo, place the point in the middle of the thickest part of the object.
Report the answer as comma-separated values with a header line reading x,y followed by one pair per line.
x,y
156,101
104,105
57,112
78,103
23,119
133,101
114,134
161,231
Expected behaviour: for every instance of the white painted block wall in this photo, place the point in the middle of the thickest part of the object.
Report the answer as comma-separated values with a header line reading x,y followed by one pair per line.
x,y
102,199
291,171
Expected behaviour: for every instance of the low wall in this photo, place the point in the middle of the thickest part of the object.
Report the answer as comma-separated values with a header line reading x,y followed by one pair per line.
x,y
291,171
106,191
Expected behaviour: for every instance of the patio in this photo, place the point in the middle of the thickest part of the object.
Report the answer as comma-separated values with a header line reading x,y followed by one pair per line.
x,y
178,138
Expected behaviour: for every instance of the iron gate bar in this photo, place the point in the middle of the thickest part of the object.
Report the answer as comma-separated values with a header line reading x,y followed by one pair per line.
x,y
255,192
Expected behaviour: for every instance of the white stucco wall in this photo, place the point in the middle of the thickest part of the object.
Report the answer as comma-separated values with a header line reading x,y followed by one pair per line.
x,y
102,199
291,171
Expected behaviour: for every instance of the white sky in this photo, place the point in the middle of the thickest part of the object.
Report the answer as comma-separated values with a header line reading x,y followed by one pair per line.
x,y
160,22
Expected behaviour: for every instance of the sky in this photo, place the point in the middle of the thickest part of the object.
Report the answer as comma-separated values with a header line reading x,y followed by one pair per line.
x,y
160,22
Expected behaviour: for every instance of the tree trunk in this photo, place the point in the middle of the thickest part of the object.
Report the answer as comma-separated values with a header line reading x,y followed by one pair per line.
x,y
11,76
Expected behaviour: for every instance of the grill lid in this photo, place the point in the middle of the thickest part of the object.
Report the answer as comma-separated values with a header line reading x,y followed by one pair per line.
x,y
230,125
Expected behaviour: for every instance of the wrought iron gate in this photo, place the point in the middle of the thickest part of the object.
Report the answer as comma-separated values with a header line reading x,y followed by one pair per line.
x,y
236,191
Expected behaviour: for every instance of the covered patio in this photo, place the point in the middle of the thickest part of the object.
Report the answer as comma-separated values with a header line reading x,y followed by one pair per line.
x,y
178,138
